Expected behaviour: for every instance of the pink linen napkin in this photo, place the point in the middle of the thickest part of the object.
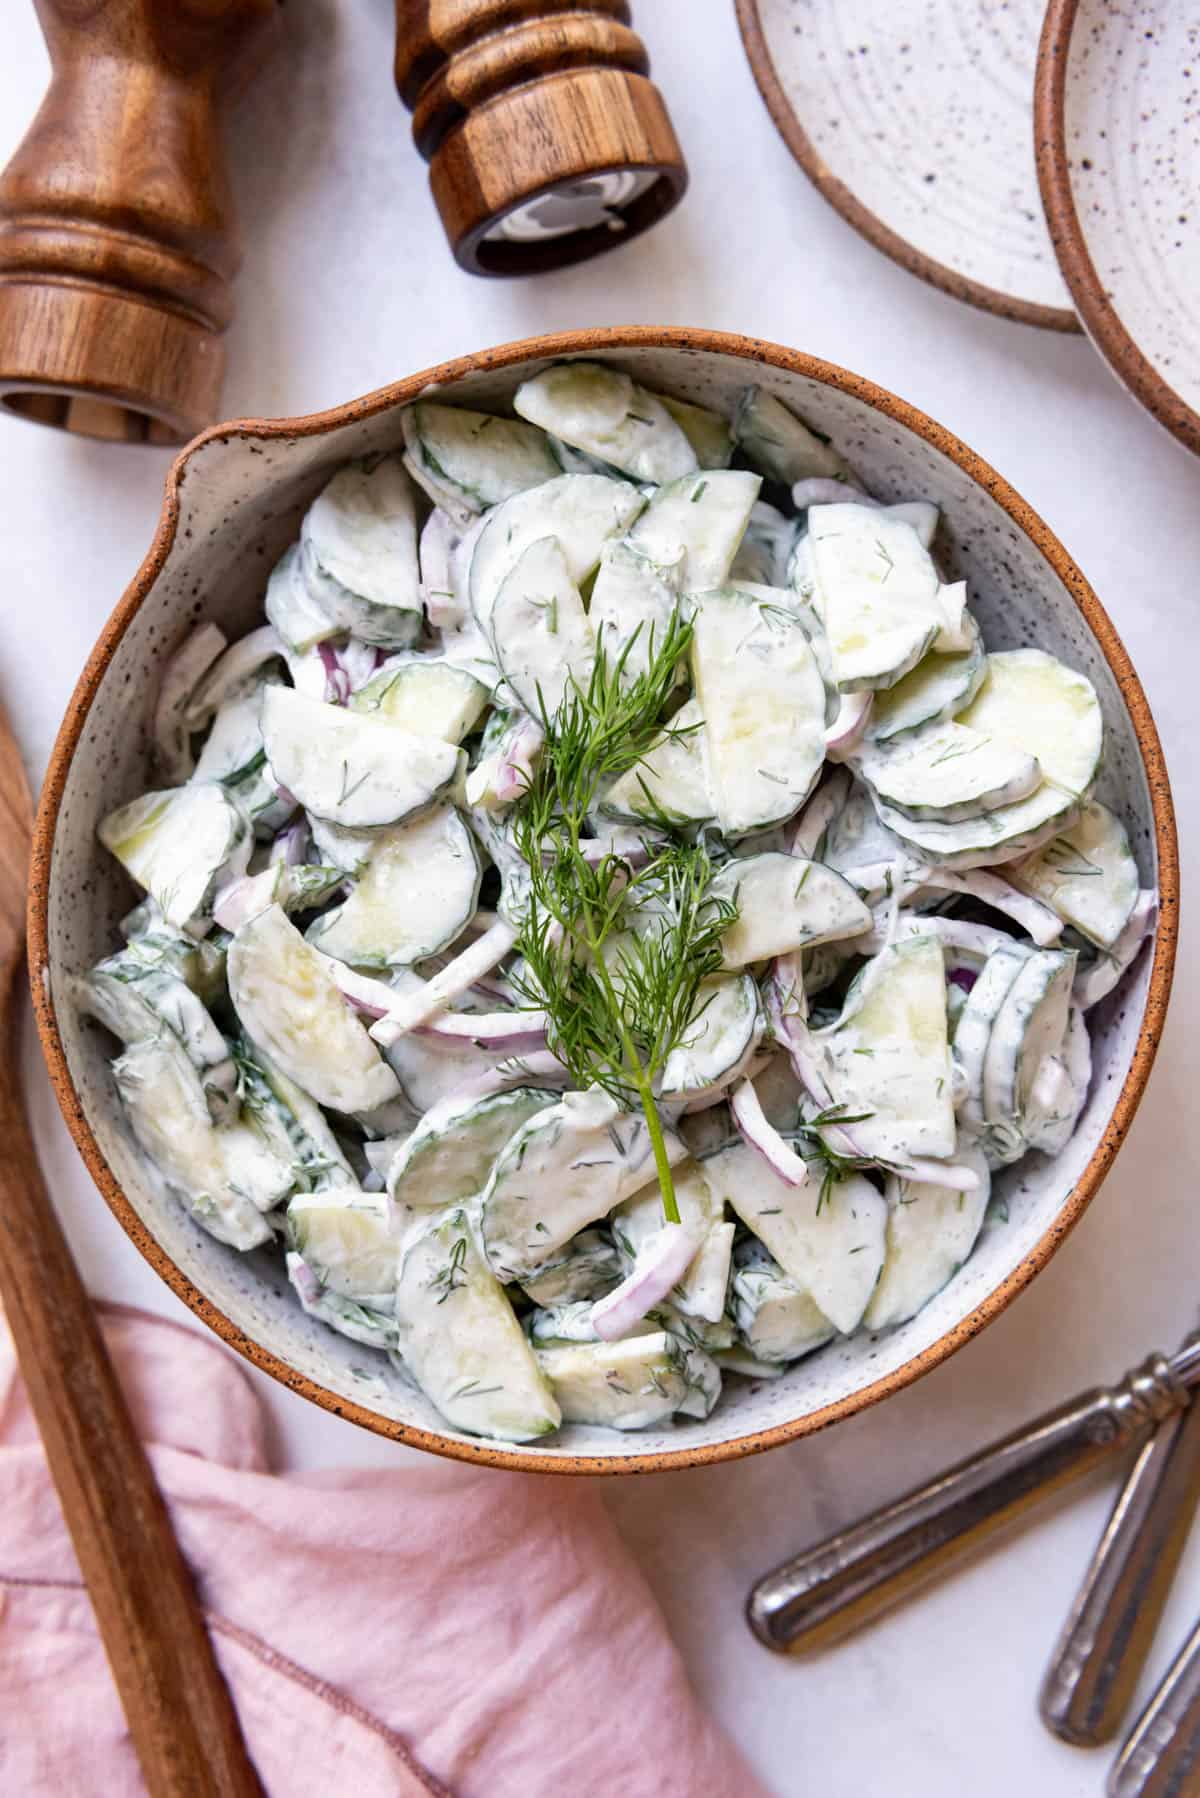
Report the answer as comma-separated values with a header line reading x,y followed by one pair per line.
x,y
433,1629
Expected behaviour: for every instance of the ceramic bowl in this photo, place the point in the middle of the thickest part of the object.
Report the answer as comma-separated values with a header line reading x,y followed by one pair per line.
x,y
233,500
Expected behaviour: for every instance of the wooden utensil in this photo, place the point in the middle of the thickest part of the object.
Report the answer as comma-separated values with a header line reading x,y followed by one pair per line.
x,y
117,237
178,1708
546,141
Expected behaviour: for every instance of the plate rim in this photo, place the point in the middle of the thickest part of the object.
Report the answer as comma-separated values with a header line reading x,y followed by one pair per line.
x,y
867,223
1098,316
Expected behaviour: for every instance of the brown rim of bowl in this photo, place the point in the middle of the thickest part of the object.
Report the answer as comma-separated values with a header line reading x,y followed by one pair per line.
x,y
504,356
867,223
1131,366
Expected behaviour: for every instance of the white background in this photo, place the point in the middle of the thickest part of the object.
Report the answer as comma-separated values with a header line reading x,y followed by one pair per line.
x,y
347,283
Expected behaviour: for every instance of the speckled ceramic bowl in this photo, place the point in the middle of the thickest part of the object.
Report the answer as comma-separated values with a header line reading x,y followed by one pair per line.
x,y
233,500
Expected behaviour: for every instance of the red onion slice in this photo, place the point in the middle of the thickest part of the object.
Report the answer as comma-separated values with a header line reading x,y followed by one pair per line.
x,y
660,1265
762,1136
414,1009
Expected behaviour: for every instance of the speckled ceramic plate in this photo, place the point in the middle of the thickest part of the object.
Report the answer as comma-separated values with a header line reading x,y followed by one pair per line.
x,y
914,119
234,499
1118,149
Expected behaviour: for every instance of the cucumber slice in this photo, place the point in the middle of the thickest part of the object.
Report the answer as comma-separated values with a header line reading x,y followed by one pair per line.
x,y
784,904
417,892
1060,1090
632,605
348,851
1087,875
351,768
290,1123
345,1237
607,415
855,839
876,590
779,443
930,1233
235,739
719,1041
241,666
566,1168
292,1011
696,524
1029,1027
946,772
829,1242
449,1155
939,687
1004,835
707,432
670,783
461,1342
474,460
541,632
298,619
426,695
626,1385
1033,700
179,845
775,1318
361,1323
165,1105
590,1268
199,964
888,1055
763,701
582,510
764,555
973,1030
358,548
137,1001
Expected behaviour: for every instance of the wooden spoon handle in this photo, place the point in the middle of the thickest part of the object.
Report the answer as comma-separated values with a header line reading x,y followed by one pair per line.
x,y
177,1705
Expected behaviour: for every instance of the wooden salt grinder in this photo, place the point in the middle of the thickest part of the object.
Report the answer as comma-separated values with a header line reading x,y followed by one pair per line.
x,y
117,238
546,141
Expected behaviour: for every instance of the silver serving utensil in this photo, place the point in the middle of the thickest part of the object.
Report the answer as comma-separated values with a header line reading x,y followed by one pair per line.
x,y
1108,1634
1161,1758
855,1576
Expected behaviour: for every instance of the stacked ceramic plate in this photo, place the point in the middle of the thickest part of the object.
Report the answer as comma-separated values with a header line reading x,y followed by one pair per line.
x,y
1038,164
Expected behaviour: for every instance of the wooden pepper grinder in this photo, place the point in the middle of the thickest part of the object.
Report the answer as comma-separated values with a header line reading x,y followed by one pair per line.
x,y
117,238
546,141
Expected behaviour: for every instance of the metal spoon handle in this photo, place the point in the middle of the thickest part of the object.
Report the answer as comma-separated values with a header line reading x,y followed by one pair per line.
x,y
1106,1638
1161,1758
857,1575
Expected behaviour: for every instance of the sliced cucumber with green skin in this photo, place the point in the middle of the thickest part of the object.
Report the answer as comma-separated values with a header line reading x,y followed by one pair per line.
x,y
565,1169
855,839
697,524
876,590
626,1385
1060,1090
720,1040
291,1009
1029,1028
783,904
973,1029
449,1155
775,1318
136,1001
831,1245
298,619
888,1055
582,510
199,963
241,666
633,602
937,689
763,701
358,546
765,553
1086,874
1035,701
671,781
1005,835
290,1122
460,1340
431,1068
179,845
349,851
542,634
930,1233
590,1268
946,773
607,415
235,739
351,768
165,1105
361,1323
345,1237
707,432
474,459
417,892
426,695
779,443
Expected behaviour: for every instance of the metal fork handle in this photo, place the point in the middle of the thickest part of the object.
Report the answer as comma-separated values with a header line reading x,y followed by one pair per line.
x,y
1161,1758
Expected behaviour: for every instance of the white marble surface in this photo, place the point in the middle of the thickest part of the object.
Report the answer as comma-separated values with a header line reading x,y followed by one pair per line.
x,y
347,283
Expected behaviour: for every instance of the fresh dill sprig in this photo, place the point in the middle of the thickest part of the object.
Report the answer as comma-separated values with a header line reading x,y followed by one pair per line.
x,y
613,954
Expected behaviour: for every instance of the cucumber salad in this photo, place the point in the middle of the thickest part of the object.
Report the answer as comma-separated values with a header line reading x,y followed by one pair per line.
x,y
611,919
